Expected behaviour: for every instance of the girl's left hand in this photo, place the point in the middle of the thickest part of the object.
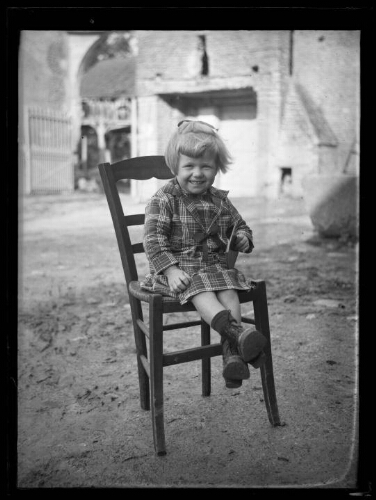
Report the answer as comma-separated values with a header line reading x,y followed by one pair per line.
x,y
242,243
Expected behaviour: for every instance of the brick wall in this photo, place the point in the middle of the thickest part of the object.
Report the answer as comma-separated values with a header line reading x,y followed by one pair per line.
x,y
169,62
327,65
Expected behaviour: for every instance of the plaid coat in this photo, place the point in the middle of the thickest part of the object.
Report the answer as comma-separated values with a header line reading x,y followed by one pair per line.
x,y
192,232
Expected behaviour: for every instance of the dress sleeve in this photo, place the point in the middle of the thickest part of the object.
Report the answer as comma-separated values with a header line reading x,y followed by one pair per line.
x,y
158,220
242,227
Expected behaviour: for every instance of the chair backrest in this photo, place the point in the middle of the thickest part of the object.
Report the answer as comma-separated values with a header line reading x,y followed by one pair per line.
x,y
140,168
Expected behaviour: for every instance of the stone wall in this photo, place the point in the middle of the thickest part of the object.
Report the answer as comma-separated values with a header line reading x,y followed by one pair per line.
x,y
43,83
44,63
324,63
327,64
169,63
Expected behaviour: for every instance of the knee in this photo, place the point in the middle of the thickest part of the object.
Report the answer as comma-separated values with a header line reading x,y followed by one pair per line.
x,y
228,296
204,299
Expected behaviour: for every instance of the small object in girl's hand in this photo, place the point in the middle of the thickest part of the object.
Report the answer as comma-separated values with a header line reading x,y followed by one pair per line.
x,y
231,255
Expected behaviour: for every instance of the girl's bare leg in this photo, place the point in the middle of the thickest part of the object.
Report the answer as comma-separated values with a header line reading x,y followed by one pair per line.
x,y
230,301
207,305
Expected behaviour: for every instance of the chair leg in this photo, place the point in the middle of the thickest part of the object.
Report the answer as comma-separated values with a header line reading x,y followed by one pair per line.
x,y
143,377
260,305
205,362
156,372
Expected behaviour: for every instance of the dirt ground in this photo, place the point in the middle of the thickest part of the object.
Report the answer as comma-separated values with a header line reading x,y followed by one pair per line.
x,y
79,419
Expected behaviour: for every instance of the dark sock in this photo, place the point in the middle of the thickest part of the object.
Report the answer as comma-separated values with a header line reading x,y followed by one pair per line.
x,y
220,321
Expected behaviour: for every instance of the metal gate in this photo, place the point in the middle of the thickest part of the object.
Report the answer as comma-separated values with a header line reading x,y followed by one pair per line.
x,y
50,152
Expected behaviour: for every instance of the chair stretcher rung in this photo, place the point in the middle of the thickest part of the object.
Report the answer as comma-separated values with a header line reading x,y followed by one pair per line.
x,y
175,326
248,320
194,354
145,363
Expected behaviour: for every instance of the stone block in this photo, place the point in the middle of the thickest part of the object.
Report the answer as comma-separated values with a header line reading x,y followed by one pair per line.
x,y
332,203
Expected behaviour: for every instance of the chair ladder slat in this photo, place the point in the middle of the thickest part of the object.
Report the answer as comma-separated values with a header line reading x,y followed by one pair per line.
x,y
134,168
138,248
134,220
194,354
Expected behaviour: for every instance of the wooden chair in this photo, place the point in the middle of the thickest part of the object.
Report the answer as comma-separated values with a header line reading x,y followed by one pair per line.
x,y
152,361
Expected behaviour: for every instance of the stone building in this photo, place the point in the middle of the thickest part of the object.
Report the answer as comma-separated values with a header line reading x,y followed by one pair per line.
x,y
319,132
286,102
233,79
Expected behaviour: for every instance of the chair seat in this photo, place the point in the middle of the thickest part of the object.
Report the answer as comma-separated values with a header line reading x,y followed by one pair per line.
x,y
144,295
173,304
169,303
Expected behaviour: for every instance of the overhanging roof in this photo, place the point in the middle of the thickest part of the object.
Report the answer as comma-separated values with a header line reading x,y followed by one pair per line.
x,y
110,78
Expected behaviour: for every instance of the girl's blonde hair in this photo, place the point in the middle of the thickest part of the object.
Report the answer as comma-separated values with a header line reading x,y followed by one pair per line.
x,y
194,139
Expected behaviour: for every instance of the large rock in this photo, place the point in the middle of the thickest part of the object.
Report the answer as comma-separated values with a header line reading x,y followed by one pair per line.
x,y
332,203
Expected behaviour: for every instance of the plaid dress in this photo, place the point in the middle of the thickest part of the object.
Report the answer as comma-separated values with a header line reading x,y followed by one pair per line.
x,y
191,231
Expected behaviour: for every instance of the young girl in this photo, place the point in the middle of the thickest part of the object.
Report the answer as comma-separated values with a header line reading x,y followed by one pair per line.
x,y
187,226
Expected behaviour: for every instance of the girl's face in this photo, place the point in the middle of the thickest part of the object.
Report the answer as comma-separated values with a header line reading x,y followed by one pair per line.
x,y
196,175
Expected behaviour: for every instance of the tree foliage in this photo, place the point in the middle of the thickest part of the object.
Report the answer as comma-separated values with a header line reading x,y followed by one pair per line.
x,y
111,45
114,44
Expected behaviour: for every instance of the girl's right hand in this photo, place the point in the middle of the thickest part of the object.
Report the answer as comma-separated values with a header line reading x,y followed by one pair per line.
x,y
242,243
178,280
